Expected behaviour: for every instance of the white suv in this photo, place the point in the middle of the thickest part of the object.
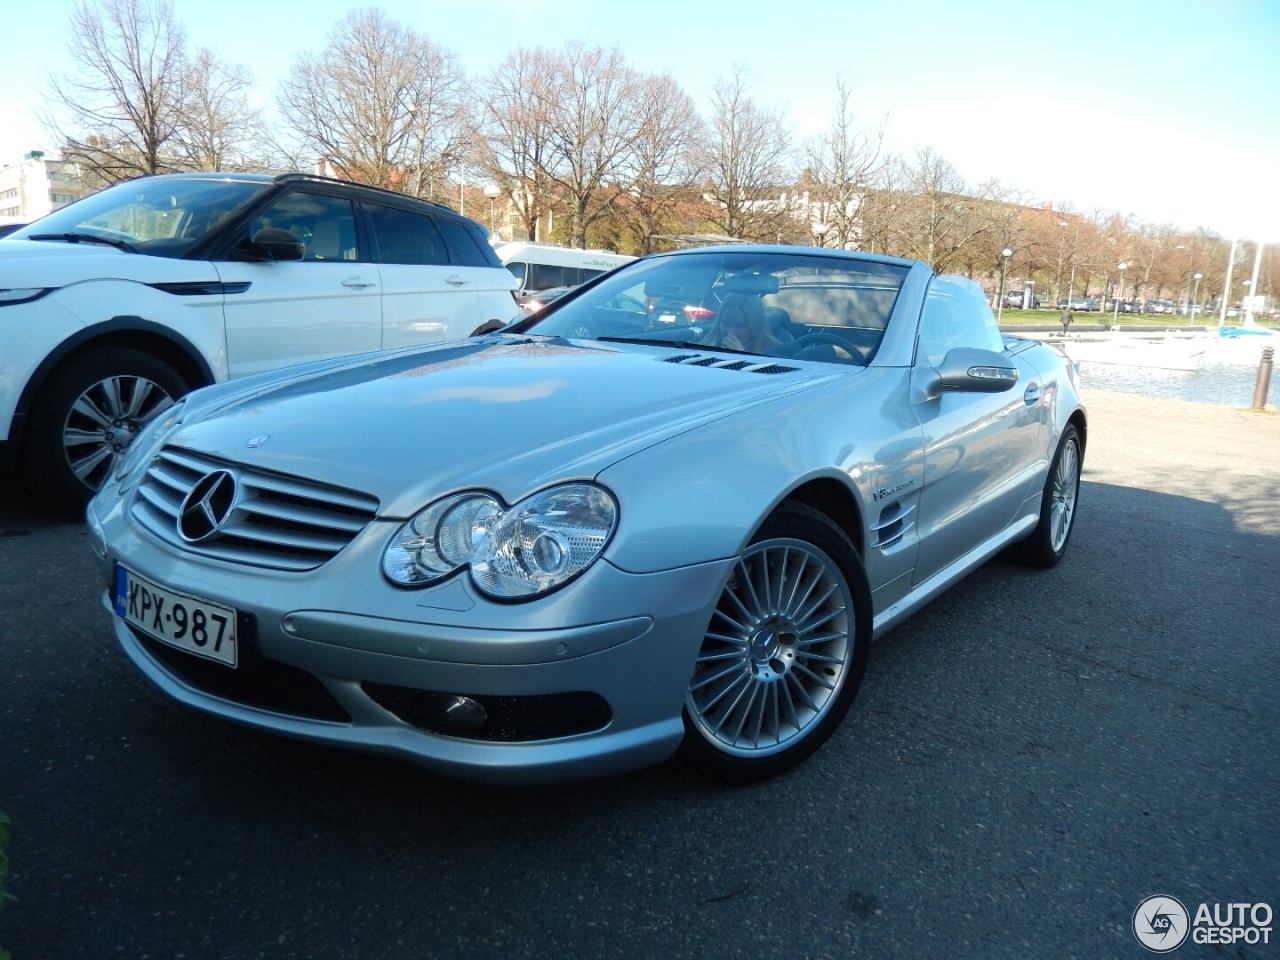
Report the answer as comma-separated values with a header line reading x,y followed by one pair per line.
x,y
114,306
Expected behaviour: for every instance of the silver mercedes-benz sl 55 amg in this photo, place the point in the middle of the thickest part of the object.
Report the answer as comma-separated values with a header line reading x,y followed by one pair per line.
x,y
668,514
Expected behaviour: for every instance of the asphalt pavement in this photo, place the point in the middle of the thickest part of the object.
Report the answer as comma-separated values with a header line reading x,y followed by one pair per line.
x,y
1028,758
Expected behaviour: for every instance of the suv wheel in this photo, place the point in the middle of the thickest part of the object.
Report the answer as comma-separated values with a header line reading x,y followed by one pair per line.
x,y
87,414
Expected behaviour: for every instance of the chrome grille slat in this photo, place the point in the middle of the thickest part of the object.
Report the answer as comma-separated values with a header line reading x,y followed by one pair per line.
x,y
280,522
159,500
283,510
277,536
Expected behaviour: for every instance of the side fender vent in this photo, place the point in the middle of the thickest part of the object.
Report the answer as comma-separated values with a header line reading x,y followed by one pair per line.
x,y
892,525
679,358
774,368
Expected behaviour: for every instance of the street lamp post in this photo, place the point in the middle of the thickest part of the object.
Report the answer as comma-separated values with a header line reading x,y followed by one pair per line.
x,y
1115,319
1191,308
492,191
1005,254
820,231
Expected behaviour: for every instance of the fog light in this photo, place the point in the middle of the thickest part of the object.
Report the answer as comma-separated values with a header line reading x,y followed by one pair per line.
x,y
452,710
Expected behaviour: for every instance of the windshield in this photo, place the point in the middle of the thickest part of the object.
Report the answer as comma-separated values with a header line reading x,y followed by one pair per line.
x,y
809,307
154,215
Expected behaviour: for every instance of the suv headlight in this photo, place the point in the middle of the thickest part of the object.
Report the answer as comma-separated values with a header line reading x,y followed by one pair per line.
x,y
516,552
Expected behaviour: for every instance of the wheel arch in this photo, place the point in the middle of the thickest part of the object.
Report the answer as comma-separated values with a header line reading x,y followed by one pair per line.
x,y
835,501
124,331
1077,420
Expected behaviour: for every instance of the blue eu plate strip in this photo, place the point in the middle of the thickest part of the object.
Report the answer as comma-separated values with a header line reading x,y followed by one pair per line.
x,y
122,586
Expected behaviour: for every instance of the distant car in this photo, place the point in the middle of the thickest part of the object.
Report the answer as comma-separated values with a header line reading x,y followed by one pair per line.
x,y
527,556
8,228
114,306
533,302
1077,303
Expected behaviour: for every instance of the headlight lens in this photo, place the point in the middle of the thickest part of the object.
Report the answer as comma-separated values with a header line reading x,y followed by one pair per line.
x,y
513,552
10,295
140,449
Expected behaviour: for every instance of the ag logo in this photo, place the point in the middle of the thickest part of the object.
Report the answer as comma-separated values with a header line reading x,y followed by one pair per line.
x,y
1161,924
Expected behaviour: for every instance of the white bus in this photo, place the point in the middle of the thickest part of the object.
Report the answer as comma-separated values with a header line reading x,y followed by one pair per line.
x,y
540,266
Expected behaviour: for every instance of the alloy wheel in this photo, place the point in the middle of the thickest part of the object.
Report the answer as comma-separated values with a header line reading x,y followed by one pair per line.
x,y
103,421
777,651
1066,485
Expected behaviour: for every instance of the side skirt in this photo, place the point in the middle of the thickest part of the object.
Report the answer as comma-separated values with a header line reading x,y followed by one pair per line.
x,y
952,572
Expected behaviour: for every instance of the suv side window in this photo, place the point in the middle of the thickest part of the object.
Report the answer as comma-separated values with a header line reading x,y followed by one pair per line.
x,y
405,237
327,225
955,317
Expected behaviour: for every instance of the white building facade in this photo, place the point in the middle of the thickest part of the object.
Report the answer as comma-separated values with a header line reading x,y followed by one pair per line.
x,y
36,187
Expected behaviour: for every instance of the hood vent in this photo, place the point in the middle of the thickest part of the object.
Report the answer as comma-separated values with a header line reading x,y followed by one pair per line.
x,y
720,363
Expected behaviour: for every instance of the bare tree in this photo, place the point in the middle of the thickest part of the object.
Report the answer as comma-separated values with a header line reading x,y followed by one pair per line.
x,y
941,219
515,146
594,119
219,126
381,104
747,154
118,109
662,169
842,162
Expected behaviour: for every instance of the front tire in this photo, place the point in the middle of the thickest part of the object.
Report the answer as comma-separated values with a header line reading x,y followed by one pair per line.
x,y
1048,542
784,654
87,414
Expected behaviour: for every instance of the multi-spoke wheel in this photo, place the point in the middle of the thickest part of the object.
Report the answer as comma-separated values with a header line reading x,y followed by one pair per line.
x,y
784,653
87,415
1048,542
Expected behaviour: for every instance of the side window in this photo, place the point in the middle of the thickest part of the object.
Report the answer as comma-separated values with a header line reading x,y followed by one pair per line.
x,y
955,317
462,242
517,271
405,237
327,225
546,276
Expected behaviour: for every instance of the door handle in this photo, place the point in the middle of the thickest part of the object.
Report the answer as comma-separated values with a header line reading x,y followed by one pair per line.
x,y
358,282
456,280
1032,393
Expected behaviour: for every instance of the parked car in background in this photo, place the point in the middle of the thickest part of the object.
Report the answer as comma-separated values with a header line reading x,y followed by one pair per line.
x,y
113,307
541,266
529,556
1078,304
533,302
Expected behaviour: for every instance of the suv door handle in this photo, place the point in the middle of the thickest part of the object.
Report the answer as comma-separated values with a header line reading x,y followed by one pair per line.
x,y
358,282
1032,393
456,280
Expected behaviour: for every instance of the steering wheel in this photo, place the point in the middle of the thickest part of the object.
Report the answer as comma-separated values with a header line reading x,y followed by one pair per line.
x,y
841,345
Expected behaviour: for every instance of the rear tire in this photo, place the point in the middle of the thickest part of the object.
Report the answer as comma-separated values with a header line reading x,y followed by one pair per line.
x,y
1048,542
784,654
85,416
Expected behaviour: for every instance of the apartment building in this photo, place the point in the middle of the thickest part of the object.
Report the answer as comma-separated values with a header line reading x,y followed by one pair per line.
x,y
37,186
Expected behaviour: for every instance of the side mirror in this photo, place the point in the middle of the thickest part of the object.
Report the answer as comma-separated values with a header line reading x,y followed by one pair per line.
x,y
274,244
970,370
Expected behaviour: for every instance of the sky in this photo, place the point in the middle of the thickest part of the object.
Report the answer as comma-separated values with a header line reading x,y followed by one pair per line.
x,y
1168,110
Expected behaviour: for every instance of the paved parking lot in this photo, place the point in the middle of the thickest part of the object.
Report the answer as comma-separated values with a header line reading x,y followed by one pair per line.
x,y
1028,759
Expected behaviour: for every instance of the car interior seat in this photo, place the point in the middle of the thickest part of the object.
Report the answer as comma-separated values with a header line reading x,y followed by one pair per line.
x,y
326,241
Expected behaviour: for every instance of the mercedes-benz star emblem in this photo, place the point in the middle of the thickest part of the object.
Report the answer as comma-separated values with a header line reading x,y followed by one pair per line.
x,y
257,441
207,506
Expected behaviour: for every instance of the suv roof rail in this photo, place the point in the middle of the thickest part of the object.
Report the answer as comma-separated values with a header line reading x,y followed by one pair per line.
x,y
284,177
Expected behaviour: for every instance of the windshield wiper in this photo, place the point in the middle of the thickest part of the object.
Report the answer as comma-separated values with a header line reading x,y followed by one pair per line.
x,y
683,344
85,238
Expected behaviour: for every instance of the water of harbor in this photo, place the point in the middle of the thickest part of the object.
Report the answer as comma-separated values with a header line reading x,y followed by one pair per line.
x,y
1221,384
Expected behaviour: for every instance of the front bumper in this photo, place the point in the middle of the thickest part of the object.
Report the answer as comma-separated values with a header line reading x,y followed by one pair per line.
x,y
630,639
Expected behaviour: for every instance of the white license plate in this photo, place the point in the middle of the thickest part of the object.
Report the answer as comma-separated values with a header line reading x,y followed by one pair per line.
x,y
178,619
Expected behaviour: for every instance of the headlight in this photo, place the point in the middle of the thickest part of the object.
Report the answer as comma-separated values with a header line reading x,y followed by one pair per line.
x,y
10,295
139,452
513,552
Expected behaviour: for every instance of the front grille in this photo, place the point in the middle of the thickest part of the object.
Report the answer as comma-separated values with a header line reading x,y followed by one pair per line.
x,y
257,682
509,719
277,521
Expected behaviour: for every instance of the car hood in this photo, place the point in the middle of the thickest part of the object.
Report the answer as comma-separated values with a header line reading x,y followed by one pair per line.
x,y
53,263
506,414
